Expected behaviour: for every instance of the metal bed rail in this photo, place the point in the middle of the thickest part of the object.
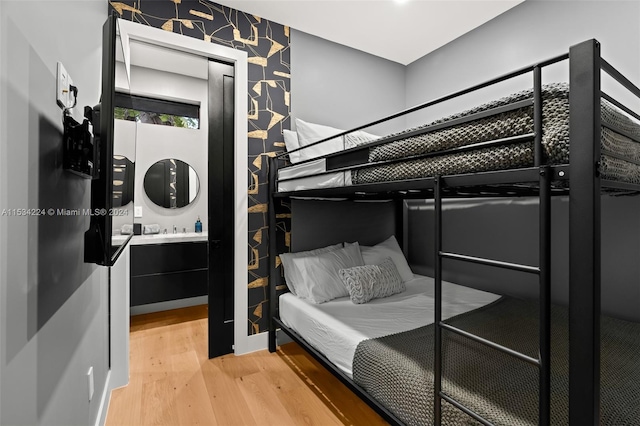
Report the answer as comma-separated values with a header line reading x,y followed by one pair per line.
x,y
499,79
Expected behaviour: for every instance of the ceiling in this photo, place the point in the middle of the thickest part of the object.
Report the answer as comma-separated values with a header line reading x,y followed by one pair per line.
x,y
399,30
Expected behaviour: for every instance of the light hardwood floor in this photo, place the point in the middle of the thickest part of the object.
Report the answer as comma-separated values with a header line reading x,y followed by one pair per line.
x,y
172,382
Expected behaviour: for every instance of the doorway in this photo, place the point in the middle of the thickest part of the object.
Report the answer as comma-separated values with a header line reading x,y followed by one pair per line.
x,y
234,303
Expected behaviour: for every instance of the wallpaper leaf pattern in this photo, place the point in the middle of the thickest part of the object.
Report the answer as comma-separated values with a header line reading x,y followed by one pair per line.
x,y
267,45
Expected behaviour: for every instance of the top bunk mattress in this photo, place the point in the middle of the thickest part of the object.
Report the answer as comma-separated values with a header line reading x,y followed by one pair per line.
x,y
616,146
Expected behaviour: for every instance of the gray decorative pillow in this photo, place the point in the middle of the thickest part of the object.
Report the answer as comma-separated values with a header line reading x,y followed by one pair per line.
x,y
368,282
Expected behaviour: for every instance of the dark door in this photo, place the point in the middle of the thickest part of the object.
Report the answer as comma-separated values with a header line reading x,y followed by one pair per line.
x,y
182,183
221,208
158,188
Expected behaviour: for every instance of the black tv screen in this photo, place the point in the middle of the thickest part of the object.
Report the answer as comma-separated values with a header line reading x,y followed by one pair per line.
x,y
112,215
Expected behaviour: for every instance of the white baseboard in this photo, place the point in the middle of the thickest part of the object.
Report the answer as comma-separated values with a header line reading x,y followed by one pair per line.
x,y
259,342
104,402
253,343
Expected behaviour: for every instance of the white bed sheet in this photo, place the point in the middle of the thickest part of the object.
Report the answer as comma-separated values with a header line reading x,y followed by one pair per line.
x,y
303,169
335,328
304,176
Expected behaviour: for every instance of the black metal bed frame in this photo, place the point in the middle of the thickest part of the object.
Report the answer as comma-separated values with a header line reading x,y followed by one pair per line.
x,y
585,184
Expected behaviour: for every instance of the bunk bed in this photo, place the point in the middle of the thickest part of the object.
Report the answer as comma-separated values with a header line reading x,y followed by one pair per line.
x,y
530,150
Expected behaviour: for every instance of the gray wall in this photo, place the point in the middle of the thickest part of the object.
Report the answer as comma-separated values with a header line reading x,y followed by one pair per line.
x,y
531,31
53,306
338,86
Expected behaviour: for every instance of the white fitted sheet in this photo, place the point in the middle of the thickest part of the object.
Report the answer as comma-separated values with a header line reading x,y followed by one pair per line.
x,y
305,176
303,169
335,328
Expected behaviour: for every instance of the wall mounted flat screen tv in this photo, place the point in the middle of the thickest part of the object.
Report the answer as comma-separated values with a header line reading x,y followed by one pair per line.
x,y
112,216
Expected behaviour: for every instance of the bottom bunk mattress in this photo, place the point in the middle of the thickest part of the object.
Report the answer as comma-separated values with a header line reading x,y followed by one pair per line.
x,y
389,354
397,369
336,327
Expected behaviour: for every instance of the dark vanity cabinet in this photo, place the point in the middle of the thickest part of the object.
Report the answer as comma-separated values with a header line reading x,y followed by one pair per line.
x,y
163,272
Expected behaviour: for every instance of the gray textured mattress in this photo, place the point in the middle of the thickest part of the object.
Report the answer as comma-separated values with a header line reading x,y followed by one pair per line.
x,y
514,123
397,370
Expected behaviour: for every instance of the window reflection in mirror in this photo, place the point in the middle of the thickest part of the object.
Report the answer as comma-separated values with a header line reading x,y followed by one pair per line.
x,y
147,110
171,183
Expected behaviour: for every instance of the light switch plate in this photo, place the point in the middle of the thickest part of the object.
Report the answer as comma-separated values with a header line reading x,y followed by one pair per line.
x,y
137,211
90,380
62,86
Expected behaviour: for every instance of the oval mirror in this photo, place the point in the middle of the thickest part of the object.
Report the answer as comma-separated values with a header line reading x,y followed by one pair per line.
x,y
171,183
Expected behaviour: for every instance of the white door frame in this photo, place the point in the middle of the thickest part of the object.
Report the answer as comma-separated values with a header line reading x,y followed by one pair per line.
x,y
243,343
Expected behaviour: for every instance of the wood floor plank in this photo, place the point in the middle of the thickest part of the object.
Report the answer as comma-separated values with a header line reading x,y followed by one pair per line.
x,y
164,318
125,407
326,387
263,403
172,382
158,404
226,399
236,367
303,406
190,391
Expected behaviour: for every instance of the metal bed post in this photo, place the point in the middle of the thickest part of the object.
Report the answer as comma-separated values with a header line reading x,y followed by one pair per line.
x,y
584,234
437,282
544,279
273,294
537,116
544,256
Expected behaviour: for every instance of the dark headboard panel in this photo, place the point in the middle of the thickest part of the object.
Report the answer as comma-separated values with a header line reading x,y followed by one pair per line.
x,y
319,223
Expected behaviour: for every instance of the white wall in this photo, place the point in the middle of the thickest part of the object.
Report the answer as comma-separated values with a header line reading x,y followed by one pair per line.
x,y
53,315
155,143
119,320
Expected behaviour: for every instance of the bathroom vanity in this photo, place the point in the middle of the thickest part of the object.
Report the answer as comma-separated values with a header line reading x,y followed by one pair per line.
x,y
167,267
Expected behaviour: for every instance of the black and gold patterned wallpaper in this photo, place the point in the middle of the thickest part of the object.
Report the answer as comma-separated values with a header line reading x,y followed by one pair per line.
x,y
267,45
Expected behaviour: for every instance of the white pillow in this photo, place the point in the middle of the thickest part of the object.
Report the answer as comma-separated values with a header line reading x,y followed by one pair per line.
x,y
291,142
309,133
321,278
358,138
388,248
291,274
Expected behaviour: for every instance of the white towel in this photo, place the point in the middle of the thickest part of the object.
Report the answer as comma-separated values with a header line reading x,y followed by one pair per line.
x,y
154,228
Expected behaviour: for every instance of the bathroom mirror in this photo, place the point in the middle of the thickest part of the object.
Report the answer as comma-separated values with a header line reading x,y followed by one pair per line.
x,y
171,183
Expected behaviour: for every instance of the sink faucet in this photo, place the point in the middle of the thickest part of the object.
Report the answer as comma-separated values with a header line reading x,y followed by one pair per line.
x,y
175,229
